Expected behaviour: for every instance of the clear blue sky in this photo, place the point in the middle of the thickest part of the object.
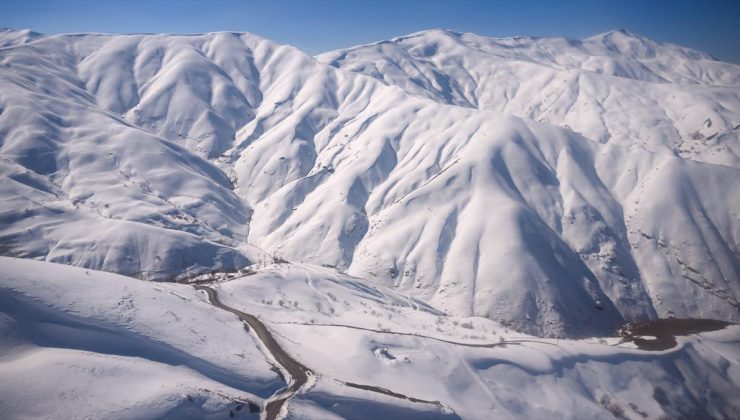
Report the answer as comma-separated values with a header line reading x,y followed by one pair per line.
x,y
712,26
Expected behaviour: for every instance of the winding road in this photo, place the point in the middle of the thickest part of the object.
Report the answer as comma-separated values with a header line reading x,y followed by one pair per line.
x,y
457,343
298,372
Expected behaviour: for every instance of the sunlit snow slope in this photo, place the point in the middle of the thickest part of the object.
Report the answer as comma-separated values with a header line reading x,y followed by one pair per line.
x,y
617,87
558,186
79,343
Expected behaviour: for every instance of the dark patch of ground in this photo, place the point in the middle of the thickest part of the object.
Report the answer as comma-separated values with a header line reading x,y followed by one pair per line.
x,y
665,331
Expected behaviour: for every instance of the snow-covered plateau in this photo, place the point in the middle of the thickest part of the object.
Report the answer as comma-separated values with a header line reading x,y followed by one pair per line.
x,y
438,225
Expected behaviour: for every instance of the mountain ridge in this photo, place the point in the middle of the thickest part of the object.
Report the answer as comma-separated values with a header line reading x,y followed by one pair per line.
x,y
194,153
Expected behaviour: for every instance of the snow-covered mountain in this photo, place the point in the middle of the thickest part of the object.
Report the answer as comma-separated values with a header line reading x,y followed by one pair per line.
x,y
557,186
617,88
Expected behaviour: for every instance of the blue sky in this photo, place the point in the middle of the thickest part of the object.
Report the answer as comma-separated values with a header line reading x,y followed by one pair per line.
x,y
712,26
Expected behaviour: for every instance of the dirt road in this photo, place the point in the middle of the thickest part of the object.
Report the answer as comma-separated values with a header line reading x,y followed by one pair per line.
x,y
298,372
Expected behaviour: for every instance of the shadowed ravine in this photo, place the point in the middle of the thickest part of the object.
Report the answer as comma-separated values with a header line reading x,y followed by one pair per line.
x,y
298,373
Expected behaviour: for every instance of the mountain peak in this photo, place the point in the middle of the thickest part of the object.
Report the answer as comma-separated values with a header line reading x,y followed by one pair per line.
x,y
620,32
620,36
26,31
429,33
631,44
11,36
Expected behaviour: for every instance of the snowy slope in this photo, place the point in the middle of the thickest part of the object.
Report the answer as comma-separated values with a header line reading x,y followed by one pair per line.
x,y
131,202
10,37
164,156
80,343
617,87
448,367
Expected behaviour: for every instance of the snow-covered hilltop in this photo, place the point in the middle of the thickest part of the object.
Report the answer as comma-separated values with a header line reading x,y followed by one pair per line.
x,y
558,186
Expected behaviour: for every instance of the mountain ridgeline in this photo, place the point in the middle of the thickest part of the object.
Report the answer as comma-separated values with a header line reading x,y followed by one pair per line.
x,y
558,186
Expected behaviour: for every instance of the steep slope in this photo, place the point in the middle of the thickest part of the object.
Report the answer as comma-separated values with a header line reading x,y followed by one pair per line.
x,y
170,155
130,201
617,88
81,343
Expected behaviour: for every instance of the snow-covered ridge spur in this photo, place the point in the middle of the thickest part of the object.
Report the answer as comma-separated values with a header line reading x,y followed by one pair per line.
x,y
559,186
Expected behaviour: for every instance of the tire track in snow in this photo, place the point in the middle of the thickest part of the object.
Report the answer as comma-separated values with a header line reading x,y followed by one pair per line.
x,y
516,342
388,392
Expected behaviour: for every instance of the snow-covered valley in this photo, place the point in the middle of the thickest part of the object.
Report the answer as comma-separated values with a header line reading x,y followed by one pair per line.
x,y
437,225
82,343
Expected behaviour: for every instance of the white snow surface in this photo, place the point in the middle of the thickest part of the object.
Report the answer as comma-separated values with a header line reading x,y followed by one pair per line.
x,y
617,87
558,186
78,343
348,331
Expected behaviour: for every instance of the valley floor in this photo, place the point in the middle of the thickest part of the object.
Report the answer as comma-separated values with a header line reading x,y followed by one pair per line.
x,y
300,341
